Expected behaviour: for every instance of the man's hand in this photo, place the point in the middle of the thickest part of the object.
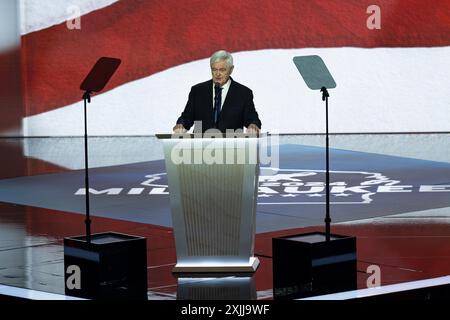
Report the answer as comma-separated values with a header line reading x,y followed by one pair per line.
x,y
179,128
253,128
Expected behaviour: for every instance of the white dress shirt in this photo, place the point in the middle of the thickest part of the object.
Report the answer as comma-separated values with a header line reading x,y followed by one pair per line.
x,y
225,89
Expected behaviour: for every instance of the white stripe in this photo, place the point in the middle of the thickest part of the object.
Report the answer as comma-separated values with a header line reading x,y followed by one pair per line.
x,y
41,14
33,294
371,292
378,90
9,26
139,149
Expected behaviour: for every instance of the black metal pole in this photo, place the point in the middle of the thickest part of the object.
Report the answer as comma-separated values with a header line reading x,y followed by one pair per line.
x,y
327,220
87,221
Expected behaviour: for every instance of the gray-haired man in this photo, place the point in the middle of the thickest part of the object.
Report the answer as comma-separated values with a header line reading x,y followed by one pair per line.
x,y
221,102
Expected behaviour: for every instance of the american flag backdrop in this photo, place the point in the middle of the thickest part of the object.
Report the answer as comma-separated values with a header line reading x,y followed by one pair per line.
x,y
391,79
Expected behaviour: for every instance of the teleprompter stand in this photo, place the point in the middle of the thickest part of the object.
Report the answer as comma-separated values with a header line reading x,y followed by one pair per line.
x,y
317,262
106,265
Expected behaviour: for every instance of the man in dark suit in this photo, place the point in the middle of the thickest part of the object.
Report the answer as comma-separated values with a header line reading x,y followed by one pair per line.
x,y
221,102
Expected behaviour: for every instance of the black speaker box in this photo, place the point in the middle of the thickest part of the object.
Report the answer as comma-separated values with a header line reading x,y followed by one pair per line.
x,y
306,265
112,266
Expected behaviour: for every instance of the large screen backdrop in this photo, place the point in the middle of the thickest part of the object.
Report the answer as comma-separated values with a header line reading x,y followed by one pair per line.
x,y
390,62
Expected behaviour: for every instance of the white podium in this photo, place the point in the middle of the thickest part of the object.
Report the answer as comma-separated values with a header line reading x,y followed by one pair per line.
x,y
213,185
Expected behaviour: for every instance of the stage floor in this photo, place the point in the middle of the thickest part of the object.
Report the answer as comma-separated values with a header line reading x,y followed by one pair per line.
x,y
390,191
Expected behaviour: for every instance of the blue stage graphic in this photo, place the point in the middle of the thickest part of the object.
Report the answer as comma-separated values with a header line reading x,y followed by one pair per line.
x,y
363,185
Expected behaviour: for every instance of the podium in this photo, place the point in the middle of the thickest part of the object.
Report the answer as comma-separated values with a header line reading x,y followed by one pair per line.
x,y
213,185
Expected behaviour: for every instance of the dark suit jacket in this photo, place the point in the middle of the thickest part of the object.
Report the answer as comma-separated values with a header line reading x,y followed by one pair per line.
x,y
238,109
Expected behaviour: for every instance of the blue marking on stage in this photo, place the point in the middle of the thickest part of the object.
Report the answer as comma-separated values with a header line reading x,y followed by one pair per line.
x,y
363,185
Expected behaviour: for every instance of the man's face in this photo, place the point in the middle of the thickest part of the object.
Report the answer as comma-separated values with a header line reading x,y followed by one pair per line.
x,y
221,72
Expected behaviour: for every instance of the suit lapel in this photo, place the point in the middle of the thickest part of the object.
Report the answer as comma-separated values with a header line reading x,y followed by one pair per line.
x,y
210,104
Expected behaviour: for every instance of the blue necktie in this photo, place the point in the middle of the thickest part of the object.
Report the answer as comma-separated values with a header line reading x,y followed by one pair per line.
x,y
217,102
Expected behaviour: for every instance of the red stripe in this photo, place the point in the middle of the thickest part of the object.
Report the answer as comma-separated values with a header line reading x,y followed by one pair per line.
x,y
151,36
11,103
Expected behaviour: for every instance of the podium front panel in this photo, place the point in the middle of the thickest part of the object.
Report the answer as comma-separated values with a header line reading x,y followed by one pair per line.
x,y
213,189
